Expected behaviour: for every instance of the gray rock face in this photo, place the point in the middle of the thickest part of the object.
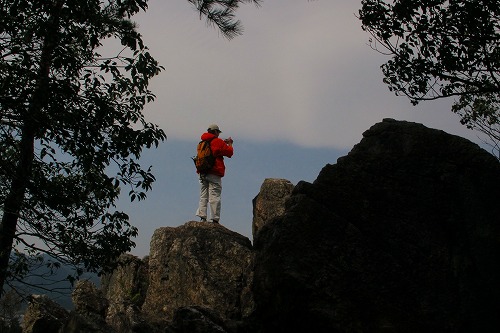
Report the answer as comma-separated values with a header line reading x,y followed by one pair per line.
x,y
90,310
88,300
401,235
270,202
125,289
200,264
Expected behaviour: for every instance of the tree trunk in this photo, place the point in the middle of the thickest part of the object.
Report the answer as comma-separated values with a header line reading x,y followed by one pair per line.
x,y
15,198
14,201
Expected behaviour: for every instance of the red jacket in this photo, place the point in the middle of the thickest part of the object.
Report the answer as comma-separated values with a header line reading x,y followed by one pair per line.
x,y
219,150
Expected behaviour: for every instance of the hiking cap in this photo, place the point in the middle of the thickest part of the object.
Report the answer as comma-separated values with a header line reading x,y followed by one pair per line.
x,y
214,127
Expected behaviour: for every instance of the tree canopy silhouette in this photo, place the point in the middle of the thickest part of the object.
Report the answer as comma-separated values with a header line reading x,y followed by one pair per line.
x,y
442,49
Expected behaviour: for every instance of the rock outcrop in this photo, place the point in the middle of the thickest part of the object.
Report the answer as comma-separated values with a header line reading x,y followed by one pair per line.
x,y
90,309
199,264
270,202
44,315
125,289
401,235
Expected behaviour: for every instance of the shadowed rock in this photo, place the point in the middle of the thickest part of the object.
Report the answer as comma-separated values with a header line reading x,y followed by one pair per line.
x,y
90,310
195,319
44,315
401,235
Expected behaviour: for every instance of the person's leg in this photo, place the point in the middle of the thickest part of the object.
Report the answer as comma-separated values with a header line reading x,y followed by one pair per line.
x,y
214,196
202,205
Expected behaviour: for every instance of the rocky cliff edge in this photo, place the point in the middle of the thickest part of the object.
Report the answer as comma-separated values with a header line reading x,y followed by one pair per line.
x,y
400,235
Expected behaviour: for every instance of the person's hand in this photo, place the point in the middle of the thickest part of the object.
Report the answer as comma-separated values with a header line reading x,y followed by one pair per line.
x,y
229,141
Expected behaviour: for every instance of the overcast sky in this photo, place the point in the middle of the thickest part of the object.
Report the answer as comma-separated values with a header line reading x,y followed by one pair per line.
x,y
295,92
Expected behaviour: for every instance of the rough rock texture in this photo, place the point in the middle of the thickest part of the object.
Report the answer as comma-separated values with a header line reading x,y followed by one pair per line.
x,y
90,310
201,264
78,323
401,235
44,315
88,300
125,289
195,319
270,202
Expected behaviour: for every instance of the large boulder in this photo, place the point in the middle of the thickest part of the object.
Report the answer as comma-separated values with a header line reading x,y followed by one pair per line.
x,y
401,235
199,264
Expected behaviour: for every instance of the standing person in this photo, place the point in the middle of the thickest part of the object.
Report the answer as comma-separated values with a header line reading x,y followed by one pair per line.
x,y
211,182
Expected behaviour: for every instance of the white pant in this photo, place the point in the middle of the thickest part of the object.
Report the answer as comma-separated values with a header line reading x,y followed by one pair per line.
x,y
210,192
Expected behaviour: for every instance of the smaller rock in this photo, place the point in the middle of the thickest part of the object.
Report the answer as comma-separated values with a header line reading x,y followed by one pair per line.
x,y
270,202
87,299
125,288
90,310
44,315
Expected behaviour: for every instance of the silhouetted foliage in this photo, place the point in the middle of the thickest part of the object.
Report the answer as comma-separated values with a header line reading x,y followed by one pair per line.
x,y
72,129
442,49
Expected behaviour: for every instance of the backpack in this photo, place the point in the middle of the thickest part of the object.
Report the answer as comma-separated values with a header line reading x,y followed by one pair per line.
x,y
204,159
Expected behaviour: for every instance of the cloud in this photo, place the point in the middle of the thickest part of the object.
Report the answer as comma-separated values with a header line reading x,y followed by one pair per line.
x,y
300,73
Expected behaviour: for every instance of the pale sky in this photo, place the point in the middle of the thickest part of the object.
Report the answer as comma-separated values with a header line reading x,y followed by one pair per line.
x,y
295,91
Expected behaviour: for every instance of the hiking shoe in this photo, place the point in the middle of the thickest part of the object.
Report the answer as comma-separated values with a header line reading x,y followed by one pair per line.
x,y
203,219
215,221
